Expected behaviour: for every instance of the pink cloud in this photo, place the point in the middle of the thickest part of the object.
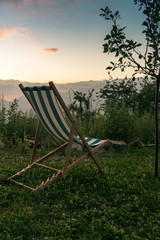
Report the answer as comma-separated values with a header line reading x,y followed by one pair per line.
x,y
12,2
58,7
11,31
61,2
9,99
53,50
19,3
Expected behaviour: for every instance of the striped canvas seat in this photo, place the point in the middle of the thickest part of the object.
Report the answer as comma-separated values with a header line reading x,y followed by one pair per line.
x,y
47,108
93,141
52,113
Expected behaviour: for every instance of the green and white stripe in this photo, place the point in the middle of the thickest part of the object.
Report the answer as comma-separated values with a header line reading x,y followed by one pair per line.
x,y
47,108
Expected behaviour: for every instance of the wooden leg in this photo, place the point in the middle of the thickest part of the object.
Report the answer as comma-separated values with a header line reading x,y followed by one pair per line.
x,y
63,151
68,150
36,141
89,149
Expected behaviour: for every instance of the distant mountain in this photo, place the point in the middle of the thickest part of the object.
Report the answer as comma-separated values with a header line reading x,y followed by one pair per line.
x,y
9,90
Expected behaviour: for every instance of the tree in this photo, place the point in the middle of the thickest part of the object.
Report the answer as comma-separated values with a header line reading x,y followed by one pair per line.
x,y
120,91
145,97
139,99
127,50
83,110
83,103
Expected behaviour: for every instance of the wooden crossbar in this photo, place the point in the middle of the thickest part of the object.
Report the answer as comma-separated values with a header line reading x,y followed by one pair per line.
x,y
79,160
42,185
41,165
21,184
51,153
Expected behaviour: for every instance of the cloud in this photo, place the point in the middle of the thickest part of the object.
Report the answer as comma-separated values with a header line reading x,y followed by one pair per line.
x,y
11,31
13,2
61,2
59,8
19,3
53,50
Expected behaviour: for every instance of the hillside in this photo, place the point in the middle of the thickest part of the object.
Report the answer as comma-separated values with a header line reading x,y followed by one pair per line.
x,y
9,90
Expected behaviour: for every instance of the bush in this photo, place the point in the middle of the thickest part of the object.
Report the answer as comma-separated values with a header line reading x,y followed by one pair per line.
x,y
16,126
23,146
116,122
120,123
145,128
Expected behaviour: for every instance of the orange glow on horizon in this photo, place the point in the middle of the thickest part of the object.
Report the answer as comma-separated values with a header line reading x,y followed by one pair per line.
x,y
9,99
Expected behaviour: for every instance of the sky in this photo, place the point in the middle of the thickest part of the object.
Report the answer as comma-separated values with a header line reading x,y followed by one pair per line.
x,y
60,40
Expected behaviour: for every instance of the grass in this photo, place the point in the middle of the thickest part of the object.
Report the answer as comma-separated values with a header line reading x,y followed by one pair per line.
x,y
124,203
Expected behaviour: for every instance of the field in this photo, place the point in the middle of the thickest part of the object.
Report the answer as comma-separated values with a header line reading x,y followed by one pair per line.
x,y
124,203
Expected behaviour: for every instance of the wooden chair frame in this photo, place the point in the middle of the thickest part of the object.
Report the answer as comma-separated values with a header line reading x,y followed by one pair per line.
x,y
68,165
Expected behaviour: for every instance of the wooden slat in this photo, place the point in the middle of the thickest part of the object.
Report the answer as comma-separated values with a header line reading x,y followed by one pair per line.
x,y
48,181
21,184
100,146
51,153
22,171
68,150
79,160
26,95
41,165
88,148
53,87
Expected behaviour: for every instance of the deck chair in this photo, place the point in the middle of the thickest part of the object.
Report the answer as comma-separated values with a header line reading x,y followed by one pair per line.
x,y
50,108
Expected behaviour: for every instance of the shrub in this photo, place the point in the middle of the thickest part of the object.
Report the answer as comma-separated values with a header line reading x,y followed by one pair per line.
x,y
120,123
16,125
116,122
145,128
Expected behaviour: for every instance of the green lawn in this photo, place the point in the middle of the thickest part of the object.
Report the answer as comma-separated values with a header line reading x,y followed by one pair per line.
x,y
124,203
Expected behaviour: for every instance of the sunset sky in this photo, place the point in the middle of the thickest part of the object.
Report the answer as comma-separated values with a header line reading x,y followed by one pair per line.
x,y
60,40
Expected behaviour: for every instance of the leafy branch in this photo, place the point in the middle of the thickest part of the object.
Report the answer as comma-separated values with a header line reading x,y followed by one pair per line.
x,y
148,63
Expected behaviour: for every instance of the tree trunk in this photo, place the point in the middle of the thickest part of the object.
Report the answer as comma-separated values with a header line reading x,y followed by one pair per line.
x,y
156,126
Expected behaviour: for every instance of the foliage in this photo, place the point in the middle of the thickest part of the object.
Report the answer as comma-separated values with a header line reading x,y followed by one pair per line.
x,y
12,122
84,112
17,126
117,121
82,102
146,96
118,91
127,50
144,128
120,122
138,99
23,145
116,42
121,204
82,105
3,123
